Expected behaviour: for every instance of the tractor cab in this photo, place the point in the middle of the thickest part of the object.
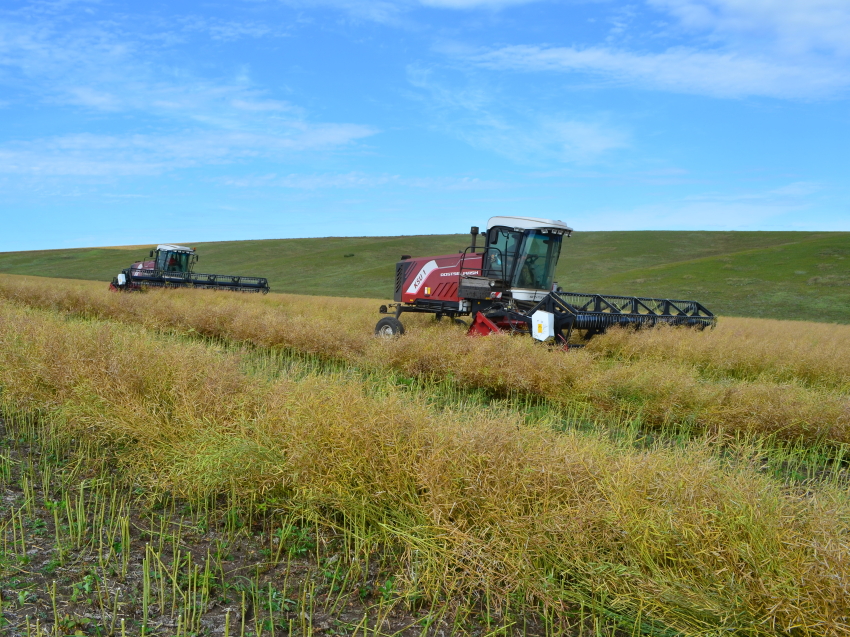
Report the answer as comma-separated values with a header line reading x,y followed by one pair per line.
x,y
521,254
173,258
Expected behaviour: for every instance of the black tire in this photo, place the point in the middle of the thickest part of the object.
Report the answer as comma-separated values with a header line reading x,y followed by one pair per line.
x,y
461,322
388,327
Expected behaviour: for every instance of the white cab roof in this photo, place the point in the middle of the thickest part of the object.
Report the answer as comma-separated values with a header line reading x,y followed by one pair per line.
x,y
527,223
174,248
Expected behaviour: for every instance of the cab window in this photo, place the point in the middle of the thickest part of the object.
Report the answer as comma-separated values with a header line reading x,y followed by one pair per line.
x,y
537,260
172,261
501,253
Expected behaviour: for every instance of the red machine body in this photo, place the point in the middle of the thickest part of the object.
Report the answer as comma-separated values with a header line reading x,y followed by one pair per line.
x,y
435,278
508,284
517,261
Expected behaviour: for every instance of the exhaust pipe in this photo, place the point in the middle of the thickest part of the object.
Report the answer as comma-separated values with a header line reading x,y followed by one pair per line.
x,y
474,232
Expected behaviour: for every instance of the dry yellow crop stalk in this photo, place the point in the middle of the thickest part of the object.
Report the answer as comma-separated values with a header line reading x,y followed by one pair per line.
x,y
478,502
817,354
787,379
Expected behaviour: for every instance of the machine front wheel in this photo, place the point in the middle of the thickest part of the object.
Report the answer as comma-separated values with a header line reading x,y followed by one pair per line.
x,y
388,327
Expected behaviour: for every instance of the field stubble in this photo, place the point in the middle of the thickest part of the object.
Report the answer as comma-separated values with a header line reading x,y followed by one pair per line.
x,y
473,504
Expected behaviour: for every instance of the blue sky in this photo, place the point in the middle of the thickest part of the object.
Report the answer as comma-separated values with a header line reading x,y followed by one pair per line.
x,y
144,122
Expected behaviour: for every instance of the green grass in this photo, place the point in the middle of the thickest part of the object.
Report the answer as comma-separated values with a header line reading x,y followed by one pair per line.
x,y
805,280
798,275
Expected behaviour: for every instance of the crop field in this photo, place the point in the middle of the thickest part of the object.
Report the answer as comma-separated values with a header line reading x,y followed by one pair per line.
x,y
199,463
782,275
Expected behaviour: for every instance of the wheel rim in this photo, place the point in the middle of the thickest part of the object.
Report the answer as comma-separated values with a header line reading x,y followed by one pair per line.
x,y
386,330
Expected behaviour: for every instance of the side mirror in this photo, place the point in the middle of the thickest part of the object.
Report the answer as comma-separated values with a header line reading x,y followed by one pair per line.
x,y
151,254
492,236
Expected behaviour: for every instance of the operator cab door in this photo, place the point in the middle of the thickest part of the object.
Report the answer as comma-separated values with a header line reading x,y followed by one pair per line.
x,y
502,246
537,260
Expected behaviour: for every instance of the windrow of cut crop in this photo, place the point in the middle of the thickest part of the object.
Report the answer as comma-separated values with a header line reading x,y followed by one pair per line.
x,y
670,538
815,354
661,392
647,373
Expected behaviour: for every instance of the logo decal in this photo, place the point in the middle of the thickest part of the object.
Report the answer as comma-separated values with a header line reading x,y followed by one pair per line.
x,y
466,273
427,269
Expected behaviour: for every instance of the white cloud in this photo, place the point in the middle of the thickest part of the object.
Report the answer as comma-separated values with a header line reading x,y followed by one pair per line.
x,y
541,140
97,68
88,155
692,215
794,193
782,208
481,118
230,30
359,180
87,96
261,105
308,182
394,12
796,26
797,189
382,11
684,70
473,4
788,49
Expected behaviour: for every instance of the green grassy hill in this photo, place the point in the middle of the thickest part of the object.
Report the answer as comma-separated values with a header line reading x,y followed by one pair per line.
x,y
802,280
798,275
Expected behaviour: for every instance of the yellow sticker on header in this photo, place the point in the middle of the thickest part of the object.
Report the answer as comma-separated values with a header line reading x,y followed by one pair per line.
x,y
540,328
